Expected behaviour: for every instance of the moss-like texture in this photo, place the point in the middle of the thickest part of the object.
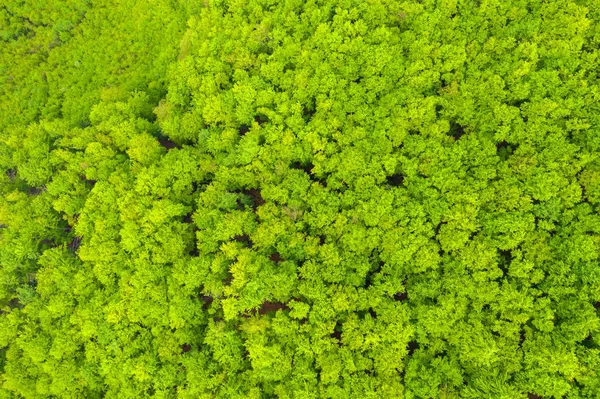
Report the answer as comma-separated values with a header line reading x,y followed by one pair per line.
x,y
300,199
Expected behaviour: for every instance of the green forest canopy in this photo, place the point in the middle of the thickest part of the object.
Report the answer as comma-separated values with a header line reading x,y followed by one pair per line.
x,y
299,199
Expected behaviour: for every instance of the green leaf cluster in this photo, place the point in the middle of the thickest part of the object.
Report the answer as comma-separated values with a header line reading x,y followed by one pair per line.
x,y
300,199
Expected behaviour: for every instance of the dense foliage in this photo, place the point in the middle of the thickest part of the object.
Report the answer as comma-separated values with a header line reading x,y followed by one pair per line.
x,y
300,199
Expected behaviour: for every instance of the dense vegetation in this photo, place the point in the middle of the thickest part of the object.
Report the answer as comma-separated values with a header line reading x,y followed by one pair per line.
x,y
300,199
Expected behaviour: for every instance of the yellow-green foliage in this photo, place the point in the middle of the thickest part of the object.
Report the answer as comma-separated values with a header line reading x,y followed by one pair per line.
x,y
300,199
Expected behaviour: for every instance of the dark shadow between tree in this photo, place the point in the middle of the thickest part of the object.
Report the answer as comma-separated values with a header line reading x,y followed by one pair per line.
x,y
456,130
276,257
74,244
186,348
243,129
401,296
521,337
206,301
261,119
271,307
505,149
505,260
395,180
412,347
243,239
168,143
337,333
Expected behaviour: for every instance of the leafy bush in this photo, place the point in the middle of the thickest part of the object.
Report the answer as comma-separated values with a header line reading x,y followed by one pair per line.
x,y
300,199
